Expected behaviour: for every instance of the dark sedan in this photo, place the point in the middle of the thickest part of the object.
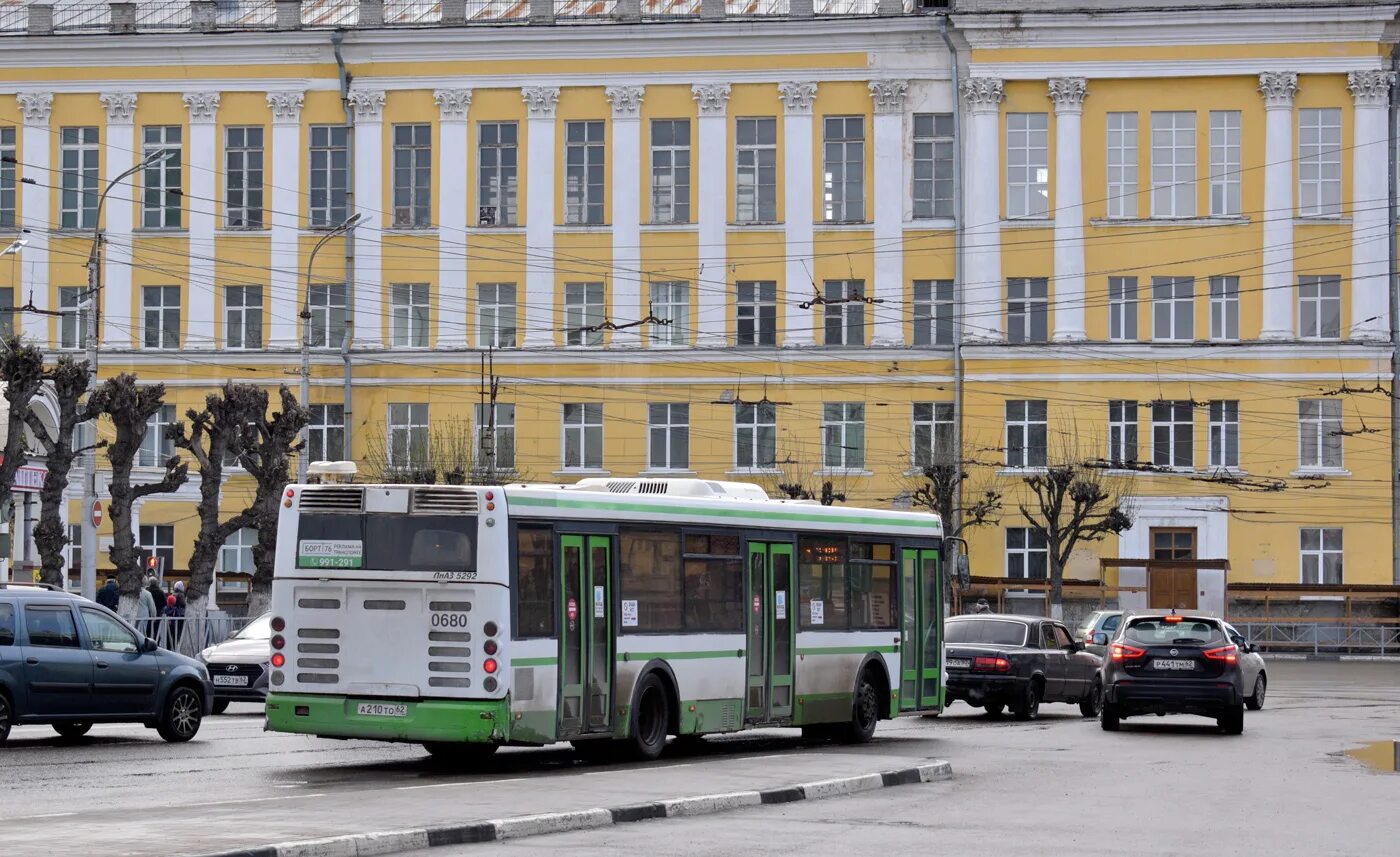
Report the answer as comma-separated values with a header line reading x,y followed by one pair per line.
x,y
997,662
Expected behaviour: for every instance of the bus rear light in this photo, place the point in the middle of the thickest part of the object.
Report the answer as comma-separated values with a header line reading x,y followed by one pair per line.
x,y
490,507
278,641
489,647
490,685
489,666
489,629
291,493
278,623
490,495
279,660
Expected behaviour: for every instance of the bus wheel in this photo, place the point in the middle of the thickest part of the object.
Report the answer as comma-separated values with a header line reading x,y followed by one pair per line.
x,y
650,716
865,712
459,752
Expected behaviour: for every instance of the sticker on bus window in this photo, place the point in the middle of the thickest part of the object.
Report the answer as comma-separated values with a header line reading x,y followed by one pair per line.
x,y
629,613
330,554
780,604
818,612
600,600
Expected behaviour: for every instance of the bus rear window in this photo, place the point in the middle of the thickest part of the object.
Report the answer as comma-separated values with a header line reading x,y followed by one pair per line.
x,y
388,542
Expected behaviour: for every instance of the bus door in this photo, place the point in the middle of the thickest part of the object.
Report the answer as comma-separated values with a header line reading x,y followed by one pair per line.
x,y
586,638
770,626
922,655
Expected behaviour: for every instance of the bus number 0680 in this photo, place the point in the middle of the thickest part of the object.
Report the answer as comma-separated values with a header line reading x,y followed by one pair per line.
x,y
449,620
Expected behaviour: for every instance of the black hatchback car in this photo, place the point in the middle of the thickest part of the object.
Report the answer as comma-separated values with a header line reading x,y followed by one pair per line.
x,y
996,661
1172,663
70,663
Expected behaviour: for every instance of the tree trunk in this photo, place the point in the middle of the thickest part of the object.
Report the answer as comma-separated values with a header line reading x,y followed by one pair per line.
x,y
1057,586
194,636
49,535
125,558
265,514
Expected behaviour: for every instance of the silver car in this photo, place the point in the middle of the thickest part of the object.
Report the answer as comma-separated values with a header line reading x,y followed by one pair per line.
x,y
1100,622
239,666
1256,676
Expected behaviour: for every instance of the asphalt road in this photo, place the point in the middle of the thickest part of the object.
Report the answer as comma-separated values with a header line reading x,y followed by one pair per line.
x,y
1059,786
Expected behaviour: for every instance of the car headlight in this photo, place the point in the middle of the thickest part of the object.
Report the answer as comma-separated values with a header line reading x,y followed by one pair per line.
x,y
204,655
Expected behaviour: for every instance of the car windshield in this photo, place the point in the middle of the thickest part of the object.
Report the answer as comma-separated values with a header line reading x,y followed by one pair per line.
x,y
258,629
1190,631
998,632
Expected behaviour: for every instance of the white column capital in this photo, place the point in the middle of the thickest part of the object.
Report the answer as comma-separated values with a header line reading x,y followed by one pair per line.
x,y
889,95
1278,89
453,104
1068,94
286,107
203,107
368,104
1370,88
36,107
541,100
797,96
121,107
713,98
983,94
626,100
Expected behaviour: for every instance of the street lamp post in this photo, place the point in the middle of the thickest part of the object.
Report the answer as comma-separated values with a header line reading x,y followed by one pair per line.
x,y
340,229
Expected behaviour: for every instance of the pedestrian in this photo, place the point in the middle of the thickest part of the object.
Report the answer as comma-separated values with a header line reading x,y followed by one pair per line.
x,y
174,615
145,612
982,606
109,596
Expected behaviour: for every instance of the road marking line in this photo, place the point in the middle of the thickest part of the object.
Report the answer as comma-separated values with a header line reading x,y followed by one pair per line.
x,y
467,783
49,815
251,800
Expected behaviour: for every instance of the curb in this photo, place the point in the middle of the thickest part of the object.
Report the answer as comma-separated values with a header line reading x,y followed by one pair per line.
x,y
397,841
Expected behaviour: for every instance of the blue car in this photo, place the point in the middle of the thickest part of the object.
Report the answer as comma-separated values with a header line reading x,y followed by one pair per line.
x,y
70,663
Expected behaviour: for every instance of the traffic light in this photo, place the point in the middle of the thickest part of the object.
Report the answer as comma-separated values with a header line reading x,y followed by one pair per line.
x,y
152,562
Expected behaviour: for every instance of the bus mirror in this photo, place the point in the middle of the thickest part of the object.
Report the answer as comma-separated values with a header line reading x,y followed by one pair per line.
x,y
964,570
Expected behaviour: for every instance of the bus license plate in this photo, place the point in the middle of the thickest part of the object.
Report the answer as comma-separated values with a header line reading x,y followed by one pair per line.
x,y
959,664
1164,664
230,680
381,709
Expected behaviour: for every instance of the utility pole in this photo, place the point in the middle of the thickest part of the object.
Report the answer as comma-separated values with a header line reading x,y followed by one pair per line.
x,y
305,392
487,393
1394,289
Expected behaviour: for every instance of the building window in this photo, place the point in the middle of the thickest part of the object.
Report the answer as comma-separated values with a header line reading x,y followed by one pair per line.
x,y
156,448
160,184
933,433
755,435
843,435
843,159
413,176
243,316
1224,308
583,313
1225,434
1224,163
78,153
756,314
670,302
236,555
498,172
583,436
1320,555
1174,164
1026,432
1027,554
584,157
1122,432
1173,435
7,313
756,170
1320,307
74,550
668,437
160,311
243,177
1122,165
496,436
8,163
844,312
933,312
670,171
495,315
73,306
1320,433
1320,162
1027,165
408,309
330,176
1122,309
1174,309
933,165
326,433
408,435
327,305
1027,309
157,540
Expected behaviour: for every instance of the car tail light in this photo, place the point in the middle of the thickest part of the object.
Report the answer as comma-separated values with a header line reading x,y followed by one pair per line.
x,y
278,659
1125,652
1228,654
1172,619
278,623
490,666
998,665
278,641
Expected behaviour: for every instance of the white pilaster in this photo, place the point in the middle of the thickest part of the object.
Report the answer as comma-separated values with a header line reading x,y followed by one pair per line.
x,y
1068,95
627,286
538,315
453,105
889,191
1370,304
202,293
34,208
284,304
368,331
981,285
119,328
798,213
712,283
1278,88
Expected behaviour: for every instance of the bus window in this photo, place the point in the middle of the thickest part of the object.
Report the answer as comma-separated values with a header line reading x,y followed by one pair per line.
x,y
420,542
651,576
822,584
714,583
872,586
534,582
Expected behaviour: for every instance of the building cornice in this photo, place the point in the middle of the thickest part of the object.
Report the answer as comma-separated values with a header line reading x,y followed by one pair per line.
x,y
1169,68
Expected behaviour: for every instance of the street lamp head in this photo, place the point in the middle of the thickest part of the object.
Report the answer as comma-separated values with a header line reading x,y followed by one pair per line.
x,y
157,156
14,247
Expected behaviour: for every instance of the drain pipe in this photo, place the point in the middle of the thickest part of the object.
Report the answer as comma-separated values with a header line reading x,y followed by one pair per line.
x,y
959,299
1394,114
337,38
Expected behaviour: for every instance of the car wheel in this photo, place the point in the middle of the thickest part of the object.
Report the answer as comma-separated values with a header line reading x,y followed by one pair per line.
x,y
220,706
1108,717
1028,706
5,716
1256,702
73,730
995,709
1231,721
180,719
459,752
650,717
1090,705
865,713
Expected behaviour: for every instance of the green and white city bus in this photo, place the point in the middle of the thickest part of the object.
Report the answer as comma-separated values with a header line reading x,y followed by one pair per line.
x,y
466,617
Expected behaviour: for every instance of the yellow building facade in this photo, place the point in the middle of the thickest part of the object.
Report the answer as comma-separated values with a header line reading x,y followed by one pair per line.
x,y
743,247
